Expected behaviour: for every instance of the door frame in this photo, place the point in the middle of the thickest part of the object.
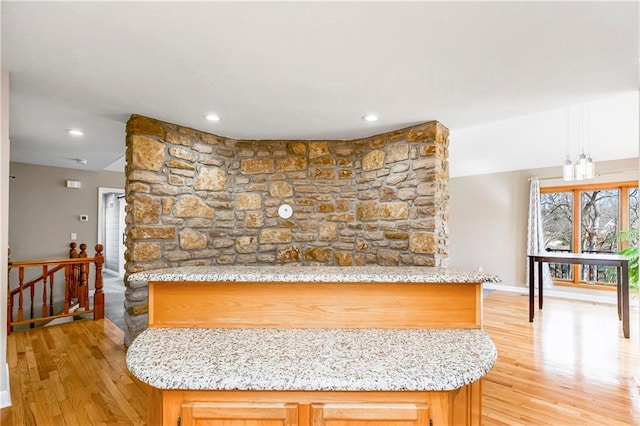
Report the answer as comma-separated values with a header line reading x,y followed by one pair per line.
x,y
102,191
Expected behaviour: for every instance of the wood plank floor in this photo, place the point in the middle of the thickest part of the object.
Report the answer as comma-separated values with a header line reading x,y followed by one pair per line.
x,y
570,367
72,374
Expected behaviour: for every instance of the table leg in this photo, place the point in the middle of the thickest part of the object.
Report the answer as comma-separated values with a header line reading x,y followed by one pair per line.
x,y
540,284
625,299
619,292
532,271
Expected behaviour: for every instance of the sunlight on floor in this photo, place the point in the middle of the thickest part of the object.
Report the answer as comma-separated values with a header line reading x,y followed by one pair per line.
x,y
572,365
586,345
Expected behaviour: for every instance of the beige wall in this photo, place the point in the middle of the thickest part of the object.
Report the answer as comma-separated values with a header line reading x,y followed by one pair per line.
x,y
5,398
488,216
43,212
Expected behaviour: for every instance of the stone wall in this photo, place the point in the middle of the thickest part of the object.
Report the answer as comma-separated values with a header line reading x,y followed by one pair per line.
x,y
195,198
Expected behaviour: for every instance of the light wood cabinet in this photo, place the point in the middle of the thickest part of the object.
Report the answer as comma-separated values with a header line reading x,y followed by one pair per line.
x,y
316,408
341,414
315,305
238,414
288,414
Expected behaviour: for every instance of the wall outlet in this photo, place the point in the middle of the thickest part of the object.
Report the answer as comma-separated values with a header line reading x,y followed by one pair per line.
x,y
74,236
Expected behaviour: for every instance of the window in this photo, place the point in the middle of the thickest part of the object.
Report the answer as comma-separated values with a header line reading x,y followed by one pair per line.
x,y
557,222
587,219
633,209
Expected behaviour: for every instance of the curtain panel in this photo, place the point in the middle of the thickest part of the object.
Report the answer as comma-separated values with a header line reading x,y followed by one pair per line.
x,y
535,232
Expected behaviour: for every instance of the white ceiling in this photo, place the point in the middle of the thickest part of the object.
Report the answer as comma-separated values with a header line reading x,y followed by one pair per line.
x,y
542,139
300,70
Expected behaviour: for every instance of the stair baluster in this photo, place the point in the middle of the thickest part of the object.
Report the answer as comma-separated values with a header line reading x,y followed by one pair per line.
x,y
98,297
83,279
21,297
45,275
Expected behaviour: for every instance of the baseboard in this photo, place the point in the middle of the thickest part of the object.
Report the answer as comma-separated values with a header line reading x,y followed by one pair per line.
x,y
551,292
509,288
5,395
110,272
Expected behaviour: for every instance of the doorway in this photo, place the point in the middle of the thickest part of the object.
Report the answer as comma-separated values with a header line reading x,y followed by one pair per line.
x,y
111,224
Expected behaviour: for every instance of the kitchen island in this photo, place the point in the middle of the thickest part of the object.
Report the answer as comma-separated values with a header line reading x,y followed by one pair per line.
x,y
302,345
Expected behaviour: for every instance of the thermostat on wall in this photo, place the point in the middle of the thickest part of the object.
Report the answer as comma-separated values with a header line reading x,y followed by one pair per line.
x,y
84,218
285,211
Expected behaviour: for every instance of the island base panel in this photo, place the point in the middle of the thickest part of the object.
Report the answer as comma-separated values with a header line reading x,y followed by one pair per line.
x,y
311,305
290,408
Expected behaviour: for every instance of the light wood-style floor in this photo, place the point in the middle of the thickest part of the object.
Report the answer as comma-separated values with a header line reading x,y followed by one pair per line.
x,y
72,374
570,367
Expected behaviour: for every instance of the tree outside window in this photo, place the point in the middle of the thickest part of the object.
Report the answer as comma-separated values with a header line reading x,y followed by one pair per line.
x,y
599,213
557,222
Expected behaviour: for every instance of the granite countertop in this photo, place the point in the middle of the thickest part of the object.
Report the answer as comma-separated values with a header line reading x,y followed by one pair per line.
x,y
281,273
311,359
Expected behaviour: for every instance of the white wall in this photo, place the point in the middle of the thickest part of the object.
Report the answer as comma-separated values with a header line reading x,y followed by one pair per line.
x,y
5,397
487,223
490,166
540,140
488,216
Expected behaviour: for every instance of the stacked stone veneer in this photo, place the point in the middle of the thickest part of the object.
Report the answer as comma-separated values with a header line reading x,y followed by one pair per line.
x,y
194,198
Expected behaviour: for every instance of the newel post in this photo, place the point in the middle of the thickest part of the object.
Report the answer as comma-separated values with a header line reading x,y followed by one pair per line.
x,y
83,278
73,273
83,250
73,253
98,297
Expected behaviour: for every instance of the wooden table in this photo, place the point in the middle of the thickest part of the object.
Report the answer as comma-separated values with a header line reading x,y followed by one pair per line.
x,y
619,261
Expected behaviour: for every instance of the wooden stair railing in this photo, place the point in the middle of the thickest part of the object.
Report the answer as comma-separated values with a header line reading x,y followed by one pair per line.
x,y
75,279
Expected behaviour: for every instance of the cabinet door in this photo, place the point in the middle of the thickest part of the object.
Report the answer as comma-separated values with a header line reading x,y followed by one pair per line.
x,y
343,414
238,414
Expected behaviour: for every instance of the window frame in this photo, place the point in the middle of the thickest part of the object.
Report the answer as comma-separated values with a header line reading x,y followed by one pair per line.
x,y
623,220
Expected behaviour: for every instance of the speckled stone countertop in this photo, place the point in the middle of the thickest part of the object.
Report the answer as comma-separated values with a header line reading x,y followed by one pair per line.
x,y
269,273
311,359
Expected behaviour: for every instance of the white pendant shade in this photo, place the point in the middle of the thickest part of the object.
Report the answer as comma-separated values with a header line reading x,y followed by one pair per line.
x,y
581,167
567,170
591,168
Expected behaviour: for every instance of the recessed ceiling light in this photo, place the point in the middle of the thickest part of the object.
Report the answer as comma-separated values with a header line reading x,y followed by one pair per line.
x,y
212,117
75,132
370,117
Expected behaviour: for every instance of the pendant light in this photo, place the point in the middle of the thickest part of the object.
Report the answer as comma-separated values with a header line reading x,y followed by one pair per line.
x,y
590,168
567,169
584,167
581,167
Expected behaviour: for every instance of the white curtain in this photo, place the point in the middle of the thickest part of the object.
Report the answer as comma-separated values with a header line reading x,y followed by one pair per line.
x,y
535,235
